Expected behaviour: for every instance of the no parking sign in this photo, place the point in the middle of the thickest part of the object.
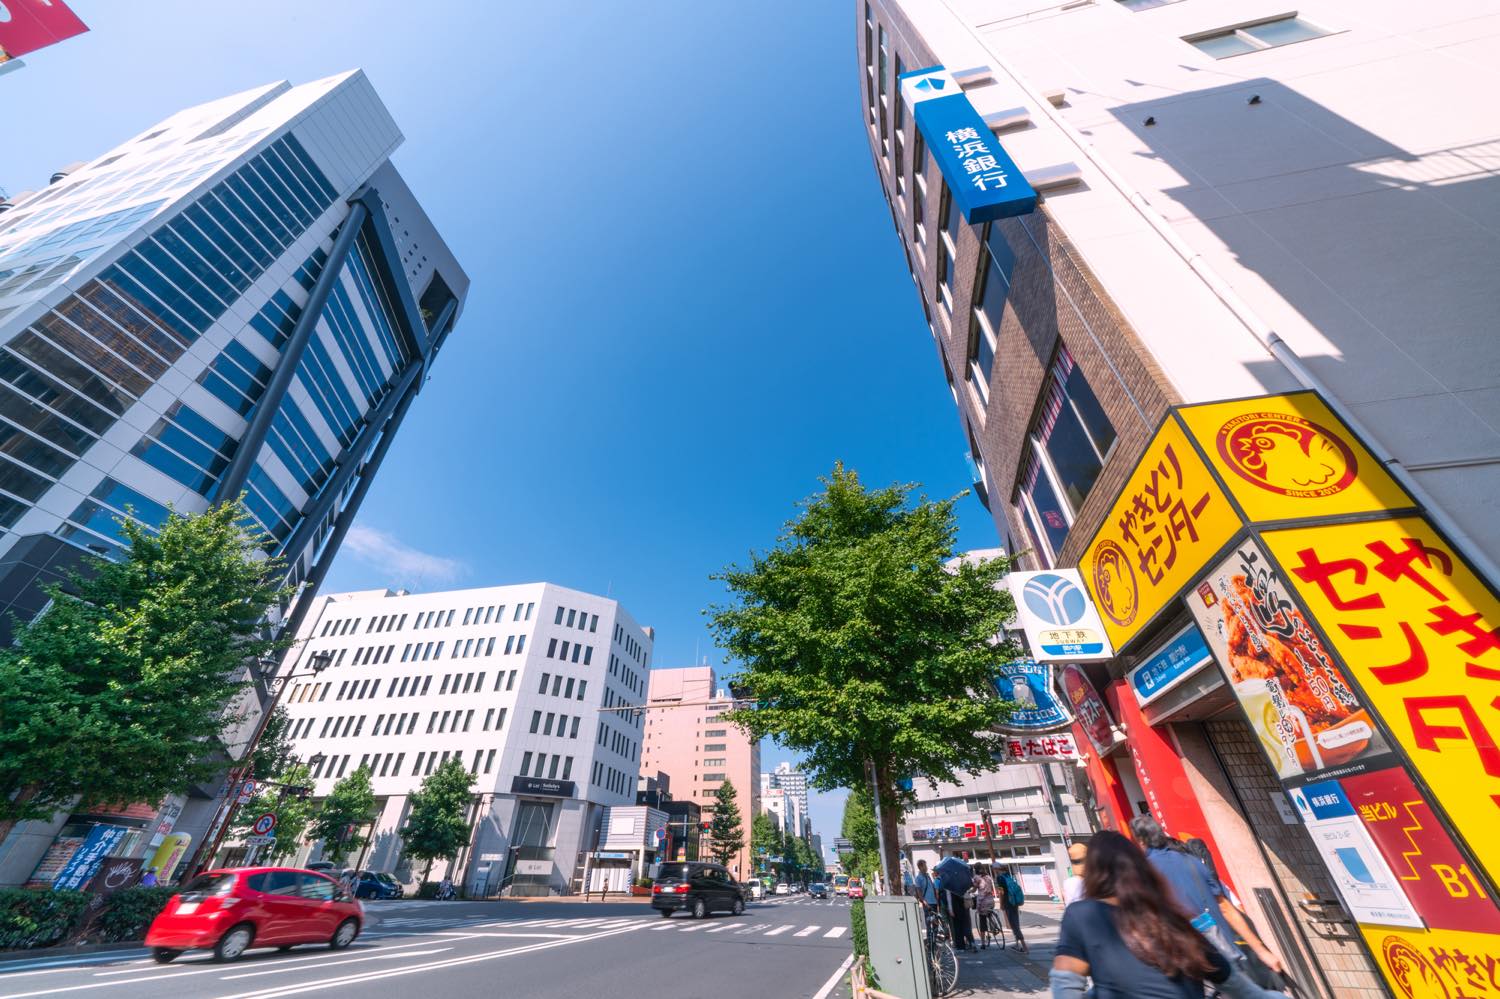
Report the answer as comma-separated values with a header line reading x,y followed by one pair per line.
x,y
264,824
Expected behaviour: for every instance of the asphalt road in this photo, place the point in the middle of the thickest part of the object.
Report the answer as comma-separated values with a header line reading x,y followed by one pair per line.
x,y
792,948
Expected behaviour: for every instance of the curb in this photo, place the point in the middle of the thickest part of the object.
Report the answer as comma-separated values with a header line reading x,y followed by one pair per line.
x,y
74,950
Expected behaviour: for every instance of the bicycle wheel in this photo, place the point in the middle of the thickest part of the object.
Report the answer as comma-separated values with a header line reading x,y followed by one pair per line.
x,y
944,968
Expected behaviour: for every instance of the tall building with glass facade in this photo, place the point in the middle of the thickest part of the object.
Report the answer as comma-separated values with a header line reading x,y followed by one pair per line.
x,y
245,298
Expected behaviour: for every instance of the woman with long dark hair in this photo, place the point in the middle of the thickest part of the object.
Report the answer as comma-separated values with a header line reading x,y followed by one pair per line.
x,y
1128,935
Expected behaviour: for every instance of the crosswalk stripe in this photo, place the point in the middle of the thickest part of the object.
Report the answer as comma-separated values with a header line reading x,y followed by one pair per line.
x,y
694,927
726,926
752,929
837,931
662,926
807,931
780,929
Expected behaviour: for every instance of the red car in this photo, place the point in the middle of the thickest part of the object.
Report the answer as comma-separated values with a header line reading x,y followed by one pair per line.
x,y
856,888
231,911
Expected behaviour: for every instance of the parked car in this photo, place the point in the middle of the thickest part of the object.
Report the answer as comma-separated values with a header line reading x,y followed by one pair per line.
x,y
234,910
782,888
756,889
326,866
396,886
697,887
818,890
856,888
366,884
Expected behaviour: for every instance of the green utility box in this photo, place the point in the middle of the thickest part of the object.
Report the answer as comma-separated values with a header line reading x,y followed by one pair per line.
x,y
894,925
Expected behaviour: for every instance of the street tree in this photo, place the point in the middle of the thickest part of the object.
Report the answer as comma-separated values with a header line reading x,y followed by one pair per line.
x,y
726,833
436,826
119,690
859,829
345,811
273,753
293,811
866,647
765,837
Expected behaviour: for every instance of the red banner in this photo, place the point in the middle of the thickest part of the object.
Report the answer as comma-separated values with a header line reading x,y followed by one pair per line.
x,y
28,25
1091,713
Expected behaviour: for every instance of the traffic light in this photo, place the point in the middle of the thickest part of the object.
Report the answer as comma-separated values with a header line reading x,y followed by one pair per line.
x,y
705,826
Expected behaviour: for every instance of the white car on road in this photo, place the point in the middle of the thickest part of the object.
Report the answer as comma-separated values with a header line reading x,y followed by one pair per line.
x,y
782,889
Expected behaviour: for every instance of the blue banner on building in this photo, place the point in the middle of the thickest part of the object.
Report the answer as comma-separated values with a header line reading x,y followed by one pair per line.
x,y
1029,685
984,180
89,855
1184,654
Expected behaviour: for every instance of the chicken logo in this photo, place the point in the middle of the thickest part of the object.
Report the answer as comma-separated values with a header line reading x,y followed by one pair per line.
x,y
1114,583
1286,454
1411,970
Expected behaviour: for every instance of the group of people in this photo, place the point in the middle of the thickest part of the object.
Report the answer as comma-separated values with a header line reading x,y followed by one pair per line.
x,y
1154,921
990,889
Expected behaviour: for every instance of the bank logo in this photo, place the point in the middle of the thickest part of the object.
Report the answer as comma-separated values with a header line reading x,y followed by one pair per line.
x,y
931,83
1287,455
1055,600
1114,582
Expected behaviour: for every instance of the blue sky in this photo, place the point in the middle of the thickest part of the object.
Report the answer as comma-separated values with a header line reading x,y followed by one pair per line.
x,y
687,299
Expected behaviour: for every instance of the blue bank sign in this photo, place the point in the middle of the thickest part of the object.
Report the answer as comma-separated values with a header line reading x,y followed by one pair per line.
x,y
985,181
1184,654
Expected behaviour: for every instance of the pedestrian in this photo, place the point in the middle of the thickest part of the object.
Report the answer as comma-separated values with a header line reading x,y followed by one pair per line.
x,y
1073,886
1201,896
1128,936
984,906
148,878
926,887
957,906
445,889
1012,897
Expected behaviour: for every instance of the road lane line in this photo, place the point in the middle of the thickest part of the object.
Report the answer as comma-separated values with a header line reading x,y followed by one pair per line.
x,y
837,931
753,928
287,990
66,964
662,926
502,936
807,931
694,927
779,930
334,964
833,982
726,926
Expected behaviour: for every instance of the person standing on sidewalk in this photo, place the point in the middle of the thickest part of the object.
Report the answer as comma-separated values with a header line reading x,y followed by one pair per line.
x,y
1011,897
1073,886
1200,895
926,887
1130,937
984,905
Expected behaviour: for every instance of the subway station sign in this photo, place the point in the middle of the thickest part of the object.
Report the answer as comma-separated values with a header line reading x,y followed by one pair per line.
x,y
985,182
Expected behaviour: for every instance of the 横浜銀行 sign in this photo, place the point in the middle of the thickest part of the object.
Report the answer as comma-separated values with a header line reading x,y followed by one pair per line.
x,y
984,180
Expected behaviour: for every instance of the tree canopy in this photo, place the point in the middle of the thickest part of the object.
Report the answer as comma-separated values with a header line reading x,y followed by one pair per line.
x,y
118,691
436,825
866,645
726,833
293,812
338,823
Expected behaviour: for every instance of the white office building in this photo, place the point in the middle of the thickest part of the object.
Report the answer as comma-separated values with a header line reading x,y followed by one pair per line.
x,y
794,783
244,297
515,681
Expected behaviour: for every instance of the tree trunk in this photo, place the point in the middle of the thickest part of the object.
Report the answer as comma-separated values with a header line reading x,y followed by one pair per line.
x,y
889,809
427,871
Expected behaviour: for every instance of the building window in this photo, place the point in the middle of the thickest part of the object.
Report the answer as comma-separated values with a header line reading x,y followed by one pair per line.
x,y
997,263
1144,4
1255,37
526,763
536,721
951,219
1074,435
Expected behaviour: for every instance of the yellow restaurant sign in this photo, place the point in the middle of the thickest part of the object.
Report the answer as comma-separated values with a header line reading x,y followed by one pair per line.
x,y
1171,518
1286,457
1436,964
1420,633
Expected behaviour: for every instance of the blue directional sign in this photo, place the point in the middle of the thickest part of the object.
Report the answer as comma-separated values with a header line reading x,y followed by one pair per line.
x,y
984,180
1184,654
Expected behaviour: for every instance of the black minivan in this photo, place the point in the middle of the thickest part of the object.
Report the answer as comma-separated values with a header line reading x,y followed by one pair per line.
x,y
697,887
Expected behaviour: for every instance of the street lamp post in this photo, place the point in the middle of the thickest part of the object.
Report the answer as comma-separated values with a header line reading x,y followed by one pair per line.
x,y
318,662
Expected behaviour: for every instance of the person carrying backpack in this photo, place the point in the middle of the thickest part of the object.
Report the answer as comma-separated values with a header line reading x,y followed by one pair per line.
x,y
1008,892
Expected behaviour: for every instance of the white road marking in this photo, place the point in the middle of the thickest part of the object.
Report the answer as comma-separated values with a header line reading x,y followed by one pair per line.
x,y
837,931
500,935
334,964
726,926
753,928
807,931
663,926
67,964
832,982
695,927
779,929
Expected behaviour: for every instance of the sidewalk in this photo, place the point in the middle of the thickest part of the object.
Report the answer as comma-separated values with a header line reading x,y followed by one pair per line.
x,y
1001,974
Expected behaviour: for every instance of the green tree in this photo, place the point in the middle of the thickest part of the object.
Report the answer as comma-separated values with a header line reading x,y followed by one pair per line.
x,y
436,826
345,811
765,838
118,692
273,753
859,829
863,649
726,834
293,812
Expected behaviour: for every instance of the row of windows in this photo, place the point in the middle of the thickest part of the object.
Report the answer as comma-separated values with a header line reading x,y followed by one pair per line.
x,y
402,686
618,743
626,675
578,648
428,619
561,722
404,723
559,687
632,647
585,620
389,764
547,766
610,779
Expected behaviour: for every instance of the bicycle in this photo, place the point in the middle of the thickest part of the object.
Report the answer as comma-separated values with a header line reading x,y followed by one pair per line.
x,y
942,962
990,927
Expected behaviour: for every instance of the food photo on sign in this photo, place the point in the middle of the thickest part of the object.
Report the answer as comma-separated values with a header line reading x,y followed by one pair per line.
x,y
1296,698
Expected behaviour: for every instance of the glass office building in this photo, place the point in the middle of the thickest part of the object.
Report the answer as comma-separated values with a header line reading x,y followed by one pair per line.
x,y
244,299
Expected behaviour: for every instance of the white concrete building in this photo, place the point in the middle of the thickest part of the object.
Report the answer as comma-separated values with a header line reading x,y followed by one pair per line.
x,y
515,681
794,783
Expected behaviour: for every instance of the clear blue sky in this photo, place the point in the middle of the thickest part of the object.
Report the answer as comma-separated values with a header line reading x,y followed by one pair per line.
x,y
687,299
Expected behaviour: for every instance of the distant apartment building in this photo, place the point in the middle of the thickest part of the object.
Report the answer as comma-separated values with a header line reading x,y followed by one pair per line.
x,y
794,784
517,682
686,738
244,298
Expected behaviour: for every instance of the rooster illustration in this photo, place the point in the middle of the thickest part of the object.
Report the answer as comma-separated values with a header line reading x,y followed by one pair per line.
x,y
1290,456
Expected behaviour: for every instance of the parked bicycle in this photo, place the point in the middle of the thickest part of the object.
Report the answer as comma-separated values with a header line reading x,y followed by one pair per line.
x,y
942,962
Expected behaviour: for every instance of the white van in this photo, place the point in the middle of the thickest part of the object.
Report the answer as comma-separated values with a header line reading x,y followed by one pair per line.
x,y
757,890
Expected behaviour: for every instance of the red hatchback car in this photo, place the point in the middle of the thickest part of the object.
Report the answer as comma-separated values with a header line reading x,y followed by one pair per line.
x,y
234,910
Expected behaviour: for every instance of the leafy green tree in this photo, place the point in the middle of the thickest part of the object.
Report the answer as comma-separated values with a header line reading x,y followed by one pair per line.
x,y
273,753
345,811
436,826
118,692
863,649
726,834
859,829
293,812
765,838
